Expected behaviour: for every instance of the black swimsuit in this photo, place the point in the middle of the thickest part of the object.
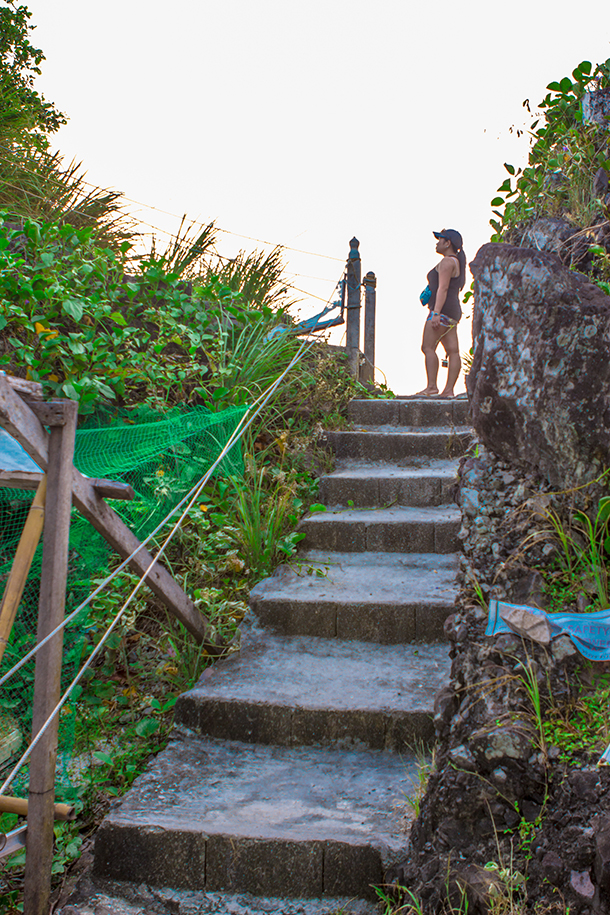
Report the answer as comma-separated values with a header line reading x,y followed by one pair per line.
x,y
452,308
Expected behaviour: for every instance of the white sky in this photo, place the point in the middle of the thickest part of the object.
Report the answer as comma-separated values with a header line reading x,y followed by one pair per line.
x,y
304,124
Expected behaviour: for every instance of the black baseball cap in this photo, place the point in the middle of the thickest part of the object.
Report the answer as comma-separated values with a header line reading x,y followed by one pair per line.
x,y
451,235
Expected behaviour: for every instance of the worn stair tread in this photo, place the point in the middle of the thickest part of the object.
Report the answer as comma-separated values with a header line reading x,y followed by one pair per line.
x,y
420,514
293,690
366,484
120,897
418,467
364,578
389,443
414,411
390,598
414,432
395,529
301,821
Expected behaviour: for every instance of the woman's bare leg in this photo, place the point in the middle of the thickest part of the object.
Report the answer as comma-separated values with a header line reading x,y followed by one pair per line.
x,y
430,341
452,348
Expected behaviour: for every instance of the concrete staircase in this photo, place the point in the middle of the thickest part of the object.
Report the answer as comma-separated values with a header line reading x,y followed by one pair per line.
x,y
292,763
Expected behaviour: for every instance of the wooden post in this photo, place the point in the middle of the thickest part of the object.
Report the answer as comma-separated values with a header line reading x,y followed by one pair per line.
x,y
354,278
47,681
370,299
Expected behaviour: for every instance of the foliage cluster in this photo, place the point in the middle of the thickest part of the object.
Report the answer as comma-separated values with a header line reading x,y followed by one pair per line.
x,y
19,65
76,321
567,172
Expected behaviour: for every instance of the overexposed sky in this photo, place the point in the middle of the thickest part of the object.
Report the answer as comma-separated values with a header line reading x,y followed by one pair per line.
x,y
305,124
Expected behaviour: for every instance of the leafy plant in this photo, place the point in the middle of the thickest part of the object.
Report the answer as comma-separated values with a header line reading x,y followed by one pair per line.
x,y
583,546
393,906
568,153
267,509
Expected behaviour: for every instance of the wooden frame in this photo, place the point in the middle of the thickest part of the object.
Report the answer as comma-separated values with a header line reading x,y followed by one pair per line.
x,y
19,419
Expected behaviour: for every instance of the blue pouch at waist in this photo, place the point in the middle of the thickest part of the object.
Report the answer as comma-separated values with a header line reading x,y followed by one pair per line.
x,y
425,296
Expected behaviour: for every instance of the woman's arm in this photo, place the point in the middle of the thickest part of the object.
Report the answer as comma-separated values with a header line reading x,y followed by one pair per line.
x,y
445,272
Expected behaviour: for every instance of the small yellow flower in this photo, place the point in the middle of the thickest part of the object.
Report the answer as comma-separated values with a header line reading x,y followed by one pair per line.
x,y
41,329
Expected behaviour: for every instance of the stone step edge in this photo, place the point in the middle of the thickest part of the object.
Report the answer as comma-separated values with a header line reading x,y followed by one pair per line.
x,y
319,869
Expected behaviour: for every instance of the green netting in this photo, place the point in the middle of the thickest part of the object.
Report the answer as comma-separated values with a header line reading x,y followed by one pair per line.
x,y
161,456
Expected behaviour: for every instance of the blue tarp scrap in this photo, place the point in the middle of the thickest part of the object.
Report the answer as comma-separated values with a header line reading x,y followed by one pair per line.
x,y
589,632
13,457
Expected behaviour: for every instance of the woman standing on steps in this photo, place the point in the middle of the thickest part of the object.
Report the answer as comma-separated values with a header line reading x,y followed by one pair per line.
x,y
445,282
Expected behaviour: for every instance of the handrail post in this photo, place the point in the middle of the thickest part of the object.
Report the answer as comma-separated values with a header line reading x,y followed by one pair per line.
x,y
47,681
352,335
370,299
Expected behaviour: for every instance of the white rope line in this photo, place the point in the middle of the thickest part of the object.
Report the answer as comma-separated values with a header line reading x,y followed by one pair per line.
x,y
237,433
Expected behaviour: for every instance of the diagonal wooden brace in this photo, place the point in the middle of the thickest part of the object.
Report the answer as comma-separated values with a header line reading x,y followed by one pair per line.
x,y
21,422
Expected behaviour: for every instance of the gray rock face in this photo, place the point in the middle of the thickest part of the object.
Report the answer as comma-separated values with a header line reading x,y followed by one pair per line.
x,y
539,386
547,234
596,107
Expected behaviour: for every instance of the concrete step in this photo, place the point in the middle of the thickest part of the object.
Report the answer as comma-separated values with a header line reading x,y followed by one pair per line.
x,y
386,530
388,598
412,411
103,896
293,691
367,484
385,443
306,821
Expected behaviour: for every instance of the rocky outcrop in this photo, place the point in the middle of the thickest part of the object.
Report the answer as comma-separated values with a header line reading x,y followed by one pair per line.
x,y
539,386
507,821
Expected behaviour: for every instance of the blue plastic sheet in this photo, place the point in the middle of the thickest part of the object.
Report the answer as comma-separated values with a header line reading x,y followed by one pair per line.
x,y
589,632
13,457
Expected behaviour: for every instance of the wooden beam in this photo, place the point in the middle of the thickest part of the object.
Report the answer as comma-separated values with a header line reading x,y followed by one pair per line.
x,y
108,489
20,479
47,679
20,422
30,389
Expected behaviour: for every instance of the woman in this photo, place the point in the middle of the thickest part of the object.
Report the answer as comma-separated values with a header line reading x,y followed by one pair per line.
x,y
445,282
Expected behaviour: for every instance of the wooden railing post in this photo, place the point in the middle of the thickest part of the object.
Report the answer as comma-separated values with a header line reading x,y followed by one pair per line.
x,y
370,296
352,335
47,681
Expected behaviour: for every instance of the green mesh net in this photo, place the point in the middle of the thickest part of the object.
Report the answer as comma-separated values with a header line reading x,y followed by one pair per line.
x,y
162,456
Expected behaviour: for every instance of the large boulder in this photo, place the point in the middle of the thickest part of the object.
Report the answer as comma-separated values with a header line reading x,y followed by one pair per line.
x,y
539,385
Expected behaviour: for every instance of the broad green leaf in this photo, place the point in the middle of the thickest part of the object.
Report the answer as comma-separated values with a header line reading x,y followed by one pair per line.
x,y
118,318
73,307
102,756
497,202
554,87
509,168
317,507
146,727
603,509
70,391
566,84
585,66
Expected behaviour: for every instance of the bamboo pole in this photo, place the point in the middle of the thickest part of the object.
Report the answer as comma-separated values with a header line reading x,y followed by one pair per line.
x,y
21,564
47,682
20,806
